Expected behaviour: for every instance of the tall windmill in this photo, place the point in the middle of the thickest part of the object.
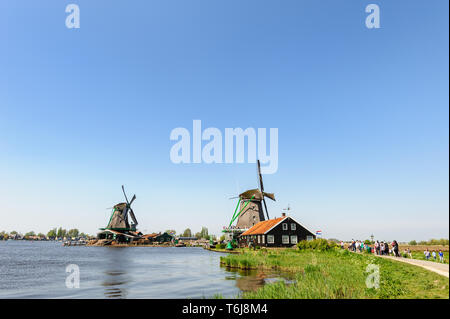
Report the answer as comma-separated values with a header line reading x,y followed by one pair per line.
x,y
119,216
251,204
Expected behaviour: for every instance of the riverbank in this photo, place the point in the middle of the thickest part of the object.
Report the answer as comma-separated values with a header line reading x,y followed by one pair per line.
x,y
338,274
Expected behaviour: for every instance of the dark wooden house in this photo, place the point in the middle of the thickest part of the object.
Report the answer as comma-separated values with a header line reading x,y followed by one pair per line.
x,y
279,232
164,238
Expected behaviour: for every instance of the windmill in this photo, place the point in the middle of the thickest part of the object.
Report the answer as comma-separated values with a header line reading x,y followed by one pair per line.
x,y
118,222
251,205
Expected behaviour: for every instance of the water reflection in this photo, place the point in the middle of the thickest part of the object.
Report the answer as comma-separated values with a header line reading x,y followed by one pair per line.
x,y
116,275
251,280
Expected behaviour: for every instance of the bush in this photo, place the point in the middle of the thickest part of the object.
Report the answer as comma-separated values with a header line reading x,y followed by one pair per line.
x,y
316,244
412,243
221,246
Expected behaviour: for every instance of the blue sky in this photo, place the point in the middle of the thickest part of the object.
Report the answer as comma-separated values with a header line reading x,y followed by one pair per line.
x,y
362,113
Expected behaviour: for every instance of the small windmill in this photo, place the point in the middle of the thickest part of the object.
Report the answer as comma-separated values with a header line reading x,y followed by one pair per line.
x,y
119,216
251,205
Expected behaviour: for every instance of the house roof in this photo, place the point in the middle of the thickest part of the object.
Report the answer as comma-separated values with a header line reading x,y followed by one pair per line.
x,y
150,235
264,227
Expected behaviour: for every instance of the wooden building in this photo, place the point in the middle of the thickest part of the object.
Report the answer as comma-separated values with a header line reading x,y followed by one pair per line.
x,y
279,232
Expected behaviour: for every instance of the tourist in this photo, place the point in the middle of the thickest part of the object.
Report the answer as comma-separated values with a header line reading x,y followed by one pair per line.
x,y
395,248
441,256
342,244
377,247
386,249
434,255
427,254
382,248
409,253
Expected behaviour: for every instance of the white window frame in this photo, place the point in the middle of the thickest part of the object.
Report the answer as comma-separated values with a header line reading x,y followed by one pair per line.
x,y
259,239
270,239
263,239
285,226
283,241
293,226
294,239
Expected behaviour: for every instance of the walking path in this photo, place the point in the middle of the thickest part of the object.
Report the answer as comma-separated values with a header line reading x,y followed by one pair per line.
x,y
441,269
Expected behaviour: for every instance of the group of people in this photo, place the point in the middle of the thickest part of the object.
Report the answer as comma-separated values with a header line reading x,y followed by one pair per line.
x,y
385,249
379,248
433,254
382,248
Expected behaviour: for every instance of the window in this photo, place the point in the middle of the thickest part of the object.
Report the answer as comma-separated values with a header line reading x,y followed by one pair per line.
x,y
263,239
270,239
293,226
309,237
259,239
294,239
285,239
285,226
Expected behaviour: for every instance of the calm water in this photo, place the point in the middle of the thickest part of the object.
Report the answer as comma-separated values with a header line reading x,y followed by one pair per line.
x,y
38,270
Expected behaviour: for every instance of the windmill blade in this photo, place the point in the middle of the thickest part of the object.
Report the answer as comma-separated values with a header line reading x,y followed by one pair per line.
x,y
123,189
261,186
265,206
270,195
132,216
132,200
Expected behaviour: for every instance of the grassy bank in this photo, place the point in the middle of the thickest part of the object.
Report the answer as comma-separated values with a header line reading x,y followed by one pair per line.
x,y
338,274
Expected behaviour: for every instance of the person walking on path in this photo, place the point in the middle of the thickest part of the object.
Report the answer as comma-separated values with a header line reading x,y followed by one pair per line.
x,y
377,247
409,253
441,256
386,249
395,248
427,254
434,255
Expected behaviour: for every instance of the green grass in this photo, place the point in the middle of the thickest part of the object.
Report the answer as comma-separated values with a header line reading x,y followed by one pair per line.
x,y
338,274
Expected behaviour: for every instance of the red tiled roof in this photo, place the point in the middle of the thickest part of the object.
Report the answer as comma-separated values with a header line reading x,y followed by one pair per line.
x,y
264,226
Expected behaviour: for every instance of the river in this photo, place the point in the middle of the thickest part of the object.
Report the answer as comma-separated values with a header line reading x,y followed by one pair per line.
x,y
40,270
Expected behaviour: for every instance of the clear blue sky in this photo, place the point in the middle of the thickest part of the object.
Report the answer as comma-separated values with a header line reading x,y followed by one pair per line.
x,y
362,114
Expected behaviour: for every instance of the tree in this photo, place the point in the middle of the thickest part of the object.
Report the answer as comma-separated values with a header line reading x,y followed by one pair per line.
x,y
198,235
222,238
187,233
73,233
30,234
51,233
41,235
61,232
412,243
204,233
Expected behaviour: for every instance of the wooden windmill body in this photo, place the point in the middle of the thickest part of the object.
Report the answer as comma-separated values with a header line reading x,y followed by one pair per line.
x,y
253,205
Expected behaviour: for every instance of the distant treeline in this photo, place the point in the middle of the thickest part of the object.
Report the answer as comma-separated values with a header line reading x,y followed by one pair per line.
x,y
442,241
51,234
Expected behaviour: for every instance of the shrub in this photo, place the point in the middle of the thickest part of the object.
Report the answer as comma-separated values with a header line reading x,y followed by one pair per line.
x,y
316,244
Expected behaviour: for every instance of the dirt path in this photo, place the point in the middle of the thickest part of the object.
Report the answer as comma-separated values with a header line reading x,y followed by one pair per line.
x,y
441,269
